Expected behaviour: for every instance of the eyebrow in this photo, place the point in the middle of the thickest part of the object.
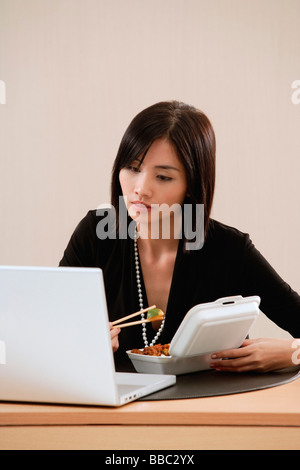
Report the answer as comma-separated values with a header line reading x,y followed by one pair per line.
x,y
160,167
167,167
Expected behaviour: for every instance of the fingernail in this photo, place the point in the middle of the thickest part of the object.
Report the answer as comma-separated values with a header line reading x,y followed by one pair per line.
x,y
214,356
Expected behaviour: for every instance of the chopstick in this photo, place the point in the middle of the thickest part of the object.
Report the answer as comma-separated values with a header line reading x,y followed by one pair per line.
x,y
139,322
132,315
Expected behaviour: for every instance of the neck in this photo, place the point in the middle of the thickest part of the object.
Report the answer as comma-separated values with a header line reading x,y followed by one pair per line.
x,y
163,232
155,249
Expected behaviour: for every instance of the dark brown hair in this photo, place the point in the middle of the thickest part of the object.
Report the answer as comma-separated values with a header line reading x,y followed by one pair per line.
x,y
192,136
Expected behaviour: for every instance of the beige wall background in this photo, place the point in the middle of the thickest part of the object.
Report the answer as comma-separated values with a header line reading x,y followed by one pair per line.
x,y
77,71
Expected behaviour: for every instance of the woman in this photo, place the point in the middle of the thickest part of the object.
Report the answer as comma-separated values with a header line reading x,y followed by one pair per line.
x,y
167,159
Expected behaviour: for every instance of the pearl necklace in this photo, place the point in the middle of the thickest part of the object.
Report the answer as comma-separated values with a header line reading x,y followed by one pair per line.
x,y
140,294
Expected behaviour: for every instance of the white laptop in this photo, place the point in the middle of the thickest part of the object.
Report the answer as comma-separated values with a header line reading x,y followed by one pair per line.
x,y
55,344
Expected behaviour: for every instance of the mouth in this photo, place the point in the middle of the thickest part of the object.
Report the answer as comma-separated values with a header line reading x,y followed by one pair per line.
x,y
141,205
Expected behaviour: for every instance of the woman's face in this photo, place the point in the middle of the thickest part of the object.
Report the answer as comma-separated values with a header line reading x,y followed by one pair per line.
x,y
160,179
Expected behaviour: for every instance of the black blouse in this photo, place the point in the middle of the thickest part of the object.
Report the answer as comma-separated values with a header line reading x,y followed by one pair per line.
x,y
228,264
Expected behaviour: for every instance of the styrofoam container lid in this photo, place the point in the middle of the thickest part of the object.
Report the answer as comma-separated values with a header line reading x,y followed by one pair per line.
x,y
215,326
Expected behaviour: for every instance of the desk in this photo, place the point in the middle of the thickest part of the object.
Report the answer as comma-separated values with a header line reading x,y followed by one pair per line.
x,y
265,419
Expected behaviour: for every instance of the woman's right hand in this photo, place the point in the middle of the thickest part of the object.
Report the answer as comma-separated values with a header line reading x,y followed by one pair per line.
x,y
114,335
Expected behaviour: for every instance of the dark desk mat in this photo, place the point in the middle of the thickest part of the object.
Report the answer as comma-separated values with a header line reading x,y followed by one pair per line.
x,y
212,383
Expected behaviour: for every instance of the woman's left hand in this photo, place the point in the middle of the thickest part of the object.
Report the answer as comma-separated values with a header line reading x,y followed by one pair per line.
x,y
261,355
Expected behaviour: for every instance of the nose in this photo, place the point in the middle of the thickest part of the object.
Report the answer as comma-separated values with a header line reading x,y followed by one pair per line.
x,y
143,187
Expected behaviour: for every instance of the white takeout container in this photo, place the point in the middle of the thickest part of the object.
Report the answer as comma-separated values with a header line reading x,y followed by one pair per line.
x,y
205,329
168,364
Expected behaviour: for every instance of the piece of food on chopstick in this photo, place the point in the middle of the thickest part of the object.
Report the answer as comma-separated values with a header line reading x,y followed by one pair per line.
x,y
153,315
157,350
155,312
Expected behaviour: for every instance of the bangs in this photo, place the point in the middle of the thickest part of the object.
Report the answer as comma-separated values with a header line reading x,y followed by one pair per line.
x,y
139,151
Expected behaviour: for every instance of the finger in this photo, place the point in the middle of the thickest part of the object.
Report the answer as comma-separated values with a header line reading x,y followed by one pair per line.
x,y
230,353
246,342
236,369
114,328
233,365
114,332
115,344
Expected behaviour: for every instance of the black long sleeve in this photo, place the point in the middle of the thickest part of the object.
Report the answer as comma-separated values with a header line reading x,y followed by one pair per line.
x,y
228,264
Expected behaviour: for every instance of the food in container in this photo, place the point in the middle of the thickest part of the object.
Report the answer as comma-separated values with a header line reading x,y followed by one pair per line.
x,y
206,328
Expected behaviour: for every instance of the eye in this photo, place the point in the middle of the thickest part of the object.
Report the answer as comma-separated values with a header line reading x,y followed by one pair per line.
x,y
164,178
133,169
